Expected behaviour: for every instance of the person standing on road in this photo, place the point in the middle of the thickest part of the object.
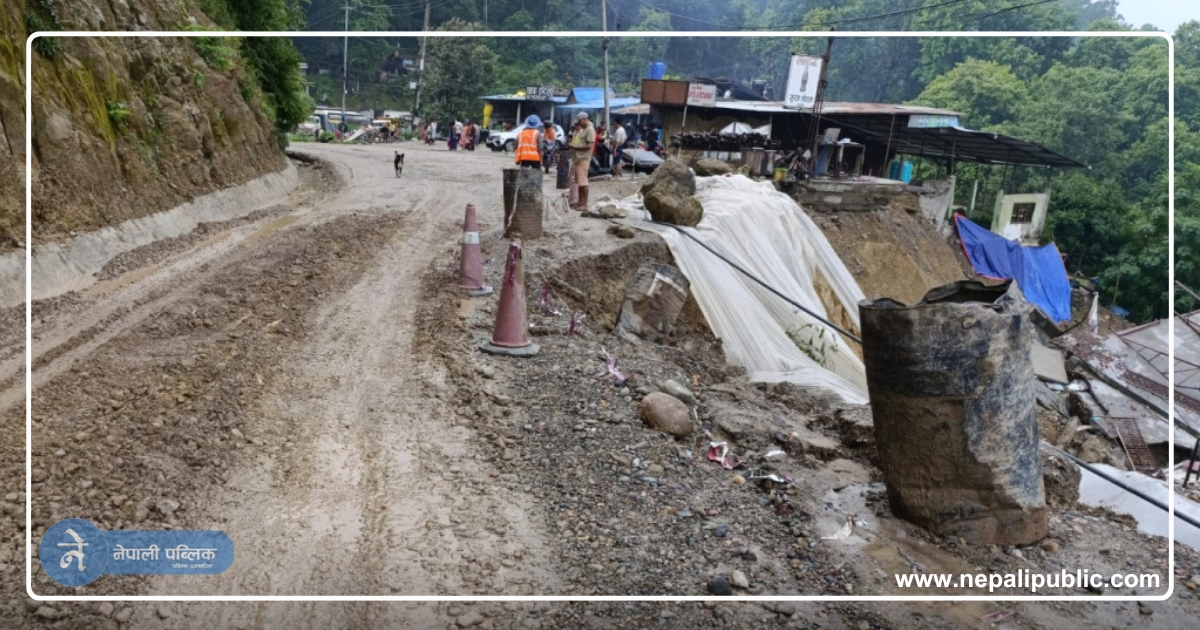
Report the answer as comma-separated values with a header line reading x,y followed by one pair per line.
x,y
618,147
549,144
582,145
464,136
529,142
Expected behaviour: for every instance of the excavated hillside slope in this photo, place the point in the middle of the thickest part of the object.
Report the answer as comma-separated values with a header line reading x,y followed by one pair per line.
x,y
124,127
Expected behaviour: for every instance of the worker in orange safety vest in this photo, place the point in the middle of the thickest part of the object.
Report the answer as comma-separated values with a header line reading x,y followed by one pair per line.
x,y
529,143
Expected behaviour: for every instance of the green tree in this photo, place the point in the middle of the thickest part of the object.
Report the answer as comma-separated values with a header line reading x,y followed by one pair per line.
x,y
986,92
460,70
271,63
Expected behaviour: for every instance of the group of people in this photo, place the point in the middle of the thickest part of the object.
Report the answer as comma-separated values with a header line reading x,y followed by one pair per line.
x,y
464,135
537,141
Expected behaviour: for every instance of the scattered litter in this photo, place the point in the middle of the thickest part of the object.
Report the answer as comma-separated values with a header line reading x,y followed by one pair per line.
x,y
753,476
612,366
774,453
719,452
998,616
859,522
841,534
576,319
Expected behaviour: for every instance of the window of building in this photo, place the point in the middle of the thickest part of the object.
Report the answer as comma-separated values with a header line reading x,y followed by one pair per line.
x,y
1023,212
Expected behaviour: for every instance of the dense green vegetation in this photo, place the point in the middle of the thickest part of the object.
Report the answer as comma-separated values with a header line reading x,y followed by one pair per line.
x,y
1102,101
270,68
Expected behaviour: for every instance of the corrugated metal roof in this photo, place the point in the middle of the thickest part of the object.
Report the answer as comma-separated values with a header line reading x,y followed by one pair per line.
x,y
581,94
887,123
621,101
963,144
833,107
641,109
513,97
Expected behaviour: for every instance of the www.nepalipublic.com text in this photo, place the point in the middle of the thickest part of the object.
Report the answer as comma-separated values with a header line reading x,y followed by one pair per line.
x,y
1030,581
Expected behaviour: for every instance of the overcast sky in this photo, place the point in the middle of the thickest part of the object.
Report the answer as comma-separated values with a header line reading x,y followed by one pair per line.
x,y
1167,15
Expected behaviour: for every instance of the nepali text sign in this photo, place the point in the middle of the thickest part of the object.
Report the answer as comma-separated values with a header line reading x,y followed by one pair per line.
x,y
544,92
932,121
702,95
73,552
804,77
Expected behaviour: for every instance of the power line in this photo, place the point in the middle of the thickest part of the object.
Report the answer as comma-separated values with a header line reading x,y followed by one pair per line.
x,y
793,27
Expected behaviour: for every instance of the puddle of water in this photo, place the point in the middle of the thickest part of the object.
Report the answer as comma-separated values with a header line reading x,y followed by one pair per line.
x,y
107,286
1099,492
121,281
271,226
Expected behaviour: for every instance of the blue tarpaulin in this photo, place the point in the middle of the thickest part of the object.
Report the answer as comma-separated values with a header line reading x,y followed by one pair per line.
x,y
1038,271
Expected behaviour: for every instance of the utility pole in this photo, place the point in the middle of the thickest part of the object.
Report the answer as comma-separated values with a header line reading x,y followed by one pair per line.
x,y
420,71
604,26
819,103
345,65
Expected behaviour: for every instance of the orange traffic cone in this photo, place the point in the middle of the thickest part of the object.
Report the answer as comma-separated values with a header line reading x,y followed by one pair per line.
x,y
470,275
511,334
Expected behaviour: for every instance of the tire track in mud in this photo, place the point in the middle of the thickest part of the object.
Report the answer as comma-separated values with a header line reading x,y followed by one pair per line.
x,y
97,316
380,493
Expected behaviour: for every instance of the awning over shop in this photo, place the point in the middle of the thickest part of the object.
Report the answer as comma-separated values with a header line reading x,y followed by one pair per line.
x,y
642,109
620,101
966,145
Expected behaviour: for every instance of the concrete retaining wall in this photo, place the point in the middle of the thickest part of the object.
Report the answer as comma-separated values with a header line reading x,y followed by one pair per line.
x,y
70,265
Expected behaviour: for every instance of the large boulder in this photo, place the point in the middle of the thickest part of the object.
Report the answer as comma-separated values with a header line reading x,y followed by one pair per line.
x,y
708,168
669,206
668,194
672,174
665,413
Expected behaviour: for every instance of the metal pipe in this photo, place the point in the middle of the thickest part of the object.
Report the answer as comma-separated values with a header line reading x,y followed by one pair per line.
x,y
1134,491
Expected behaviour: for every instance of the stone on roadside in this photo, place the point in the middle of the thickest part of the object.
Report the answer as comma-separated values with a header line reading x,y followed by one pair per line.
x,y
609,211
123,615
739,580
622,231
167,507
708,167
720,586
672,173
669,206
469,620
668,194
666,414
677,390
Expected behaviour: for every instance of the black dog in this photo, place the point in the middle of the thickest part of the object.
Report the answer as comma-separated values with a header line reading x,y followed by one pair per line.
x,y
398,163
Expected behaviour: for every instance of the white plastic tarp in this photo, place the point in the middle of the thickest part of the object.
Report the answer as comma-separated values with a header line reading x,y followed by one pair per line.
x,y
768,234
735,128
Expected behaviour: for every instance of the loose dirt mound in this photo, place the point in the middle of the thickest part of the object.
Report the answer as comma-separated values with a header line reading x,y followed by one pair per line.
x,y
893,251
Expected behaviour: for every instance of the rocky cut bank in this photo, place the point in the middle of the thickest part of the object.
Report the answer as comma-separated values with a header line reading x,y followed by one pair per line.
x,y
126,127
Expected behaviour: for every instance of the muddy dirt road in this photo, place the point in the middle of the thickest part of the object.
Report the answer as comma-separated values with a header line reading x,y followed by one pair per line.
x,y
351,475
306,379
